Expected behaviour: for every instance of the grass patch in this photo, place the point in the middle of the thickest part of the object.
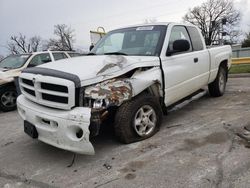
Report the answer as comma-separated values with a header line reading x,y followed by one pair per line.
x,y
237,69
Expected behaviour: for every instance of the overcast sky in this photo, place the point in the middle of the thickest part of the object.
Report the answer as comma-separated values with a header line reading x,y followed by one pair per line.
x,y
37,17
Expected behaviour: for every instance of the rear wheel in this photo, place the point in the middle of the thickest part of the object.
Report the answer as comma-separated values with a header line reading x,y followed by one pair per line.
x,y
8,97
138,119
218,86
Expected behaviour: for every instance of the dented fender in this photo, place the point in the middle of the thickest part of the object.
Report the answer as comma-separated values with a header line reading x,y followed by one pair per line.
x,y
141,80
116,91
111,92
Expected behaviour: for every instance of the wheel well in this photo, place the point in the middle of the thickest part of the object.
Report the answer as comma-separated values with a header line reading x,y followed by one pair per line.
x,y
224,64
153,90
10,84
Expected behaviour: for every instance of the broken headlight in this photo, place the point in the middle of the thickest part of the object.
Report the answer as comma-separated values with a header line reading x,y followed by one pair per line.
x,y
108,93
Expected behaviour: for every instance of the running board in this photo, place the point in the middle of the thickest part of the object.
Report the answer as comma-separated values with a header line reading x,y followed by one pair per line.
x,y
183,102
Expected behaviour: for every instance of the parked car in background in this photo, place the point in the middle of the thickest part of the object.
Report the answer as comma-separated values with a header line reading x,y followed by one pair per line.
x,y
11,67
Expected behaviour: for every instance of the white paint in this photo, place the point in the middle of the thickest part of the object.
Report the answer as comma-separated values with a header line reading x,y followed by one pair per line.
x,y
88,68
61,136
39,91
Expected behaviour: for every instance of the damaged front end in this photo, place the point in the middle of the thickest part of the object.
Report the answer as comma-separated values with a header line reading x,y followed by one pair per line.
x,y
71,127
68,130
108,93
105,97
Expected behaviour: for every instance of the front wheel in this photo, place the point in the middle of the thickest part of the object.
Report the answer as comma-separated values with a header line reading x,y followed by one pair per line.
x,y
138,119
218,86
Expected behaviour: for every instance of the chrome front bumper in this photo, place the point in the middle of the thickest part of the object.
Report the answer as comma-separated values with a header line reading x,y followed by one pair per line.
x,y
65,129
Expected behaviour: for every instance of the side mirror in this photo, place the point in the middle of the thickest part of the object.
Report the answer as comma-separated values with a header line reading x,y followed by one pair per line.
x,y
31,65
46,60
91,47
180,45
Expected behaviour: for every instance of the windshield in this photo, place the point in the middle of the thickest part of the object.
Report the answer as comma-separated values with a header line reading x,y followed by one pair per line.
x,y
14,61
141,41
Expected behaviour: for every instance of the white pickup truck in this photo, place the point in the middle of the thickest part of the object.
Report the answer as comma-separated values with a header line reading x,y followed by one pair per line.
x,y
131,76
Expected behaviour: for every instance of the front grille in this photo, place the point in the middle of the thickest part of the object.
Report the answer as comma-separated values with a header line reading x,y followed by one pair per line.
x,y
49,91
29,91
54,87
28,82
54,98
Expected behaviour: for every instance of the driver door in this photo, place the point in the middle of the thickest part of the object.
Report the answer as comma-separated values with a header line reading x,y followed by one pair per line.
x,y
179,69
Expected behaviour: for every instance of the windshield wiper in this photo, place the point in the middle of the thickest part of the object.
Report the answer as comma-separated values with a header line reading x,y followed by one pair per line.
x,y
5,67
91,53
115,53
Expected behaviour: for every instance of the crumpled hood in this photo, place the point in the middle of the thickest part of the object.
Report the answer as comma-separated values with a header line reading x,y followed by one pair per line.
x,y
3,70
93,69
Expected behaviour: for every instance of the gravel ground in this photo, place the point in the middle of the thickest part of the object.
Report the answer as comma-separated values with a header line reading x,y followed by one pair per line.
x,y
196,147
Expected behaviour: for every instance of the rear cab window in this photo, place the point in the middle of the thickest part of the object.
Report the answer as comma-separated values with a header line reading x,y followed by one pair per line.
x,y
59,55
195,38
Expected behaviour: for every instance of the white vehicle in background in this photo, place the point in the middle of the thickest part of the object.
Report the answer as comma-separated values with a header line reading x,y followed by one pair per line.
x,y
131,76
11,67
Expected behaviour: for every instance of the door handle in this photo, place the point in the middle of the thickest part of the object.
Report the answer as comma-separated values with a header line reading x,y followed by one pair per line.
x,y
196,60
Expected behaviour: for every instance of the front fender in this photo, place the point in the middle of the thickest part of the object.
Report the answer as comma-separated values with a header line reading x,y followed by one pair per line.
x,y
8,84
141,80
115,91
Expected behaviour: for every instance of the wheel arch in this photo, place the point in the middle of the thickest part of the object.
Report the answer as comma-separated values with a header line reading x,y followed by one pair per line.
x,y
153,90
224,64
9,84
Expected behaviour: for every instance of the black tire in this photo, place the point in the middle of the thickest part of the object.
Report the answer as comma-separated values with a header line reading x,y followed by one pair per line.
x,y
8,97
218,86
131,111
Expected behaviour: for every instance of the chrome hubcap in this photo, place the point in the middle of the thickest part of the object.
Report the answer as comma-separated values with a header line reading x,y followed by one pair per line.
x,y
8,99
145,120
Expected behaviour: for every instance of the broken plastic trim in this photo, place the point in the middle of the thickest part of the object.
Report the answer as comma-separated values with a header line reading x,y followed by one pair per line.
x,y
109,93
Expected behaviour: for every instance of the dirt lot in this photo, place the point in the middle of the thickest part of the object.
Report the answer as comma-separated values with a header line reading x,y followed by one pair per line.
x,y
196,147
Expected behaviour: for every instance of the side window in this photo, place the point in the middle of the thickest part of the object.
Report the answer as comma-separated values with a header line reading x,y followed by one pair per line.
x,y
177,33
58,56
196,38
40,59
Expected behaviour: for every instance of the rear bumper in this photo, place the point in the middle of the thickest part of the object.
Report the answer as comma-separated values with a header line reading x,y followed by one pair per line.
x,y
68,130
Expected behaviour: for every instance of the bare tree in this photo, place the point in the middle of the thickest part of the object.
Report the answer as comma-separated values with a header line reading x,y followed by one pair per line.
x,y
210,16
35,43
20,44
1,57
246,42
13,48
64,40
150,20
234,35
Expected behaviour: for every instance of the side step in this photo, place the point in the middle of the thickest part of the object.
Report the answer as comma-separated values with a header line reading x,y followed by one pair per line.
x,y
183,102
